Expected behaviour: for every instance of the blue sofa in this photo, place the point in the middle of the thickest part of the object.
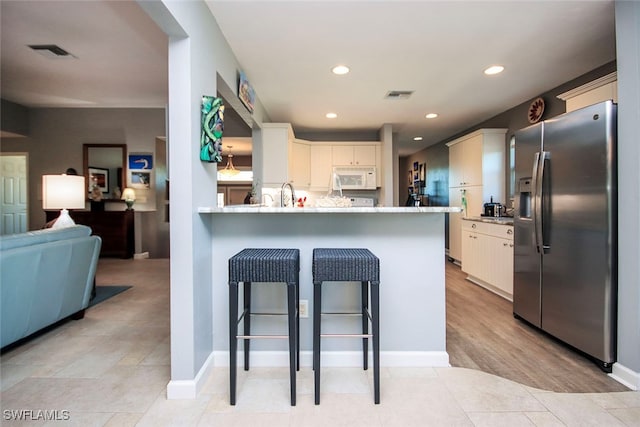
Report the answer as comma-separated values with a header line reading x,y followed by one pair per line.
x,y
45,276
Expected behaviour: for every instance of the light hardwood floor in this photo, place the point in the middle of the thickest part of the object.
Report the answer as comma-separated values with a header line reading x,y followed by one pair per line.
x,y
483,334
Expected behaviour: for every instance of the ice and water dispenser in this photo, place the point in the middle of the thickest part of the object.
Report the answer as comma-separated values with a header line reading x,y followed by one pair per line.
x,y
524,205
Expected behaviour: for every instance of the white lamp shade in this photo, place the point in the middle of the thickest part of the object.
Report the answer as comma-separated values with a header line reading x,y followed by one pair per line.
x,y
128,194
63,192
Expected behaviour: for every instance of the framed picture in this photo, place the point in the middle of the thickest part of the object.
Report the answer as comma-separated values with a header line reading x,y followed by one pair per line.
x,y
410,178
140,179
245,92
415,166
100,178
140,161
423,171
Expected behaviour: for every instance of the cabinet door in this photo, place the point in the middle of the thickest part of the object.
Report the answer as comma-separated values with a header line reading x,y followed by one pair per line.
x,y
342,155
474,200
470,255
456,159
472,161
320,161
364,155
299,165
275,158
503,265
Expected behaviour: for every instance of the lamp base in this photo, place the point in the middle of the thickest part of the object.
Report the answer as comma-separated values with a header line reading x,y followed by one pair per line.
x,y
64,220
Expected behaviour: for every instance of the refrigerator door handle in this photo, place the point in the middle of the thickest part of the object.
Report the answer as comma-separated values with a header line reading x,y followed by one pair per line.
x,y
535,200
541,158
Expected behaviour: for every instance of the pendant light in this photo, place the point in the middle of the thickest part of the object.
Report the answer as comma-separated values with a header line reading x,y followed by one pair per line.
x,y
229,169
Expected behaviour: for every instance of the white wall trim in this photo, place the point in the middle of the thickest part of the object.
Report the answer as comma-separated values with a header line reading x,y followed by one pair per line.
x,y
189,389
340,358
625,376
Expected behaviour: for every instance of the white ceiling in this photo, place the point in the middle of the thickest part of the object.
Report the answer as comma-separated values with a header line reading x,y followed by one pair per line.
x,y
287,49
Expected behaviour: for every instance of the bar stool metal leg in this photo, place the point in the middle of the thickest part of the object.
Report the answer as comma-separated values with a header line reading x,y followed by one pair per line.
x,y
297,326
365,324
375,322
291,300
233,342
247,322
317,308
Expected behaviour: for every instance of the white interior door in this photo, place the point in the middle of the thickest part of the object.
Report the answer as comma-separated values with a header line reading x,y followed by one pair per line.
x,y
13,193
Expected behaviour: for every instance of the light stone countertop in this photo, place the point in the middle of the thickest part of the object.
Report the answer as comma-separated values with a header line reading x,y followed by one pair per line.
x,y
501,220
258,209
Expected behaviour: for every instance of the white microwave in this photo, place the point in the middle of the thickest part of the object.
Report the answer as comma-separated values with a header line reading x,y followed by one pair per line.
x,y
356,178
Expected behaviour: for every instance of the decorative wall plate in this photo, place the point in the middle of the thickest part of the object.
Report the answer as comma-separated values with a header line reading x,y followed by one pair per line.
x,y
534,114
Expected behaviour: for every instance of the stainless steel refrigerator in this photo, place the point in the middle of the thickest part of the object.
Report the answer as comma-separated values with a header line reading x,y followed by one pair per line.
x,y
565,229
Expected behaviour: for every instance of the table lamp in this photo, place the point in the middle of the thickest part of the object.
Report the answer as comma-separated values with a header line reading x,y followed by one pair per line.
x,y
63,192
129,197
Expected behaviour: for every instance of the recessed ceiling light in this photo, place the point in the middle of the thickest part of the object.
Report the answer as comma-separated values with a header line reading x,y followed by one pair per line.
x,y
340,69
431,116
331,115
494,69
417,138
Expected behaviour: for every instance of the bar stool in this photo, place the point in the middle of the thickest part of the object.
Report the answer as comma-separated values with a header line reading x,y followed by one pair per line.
x,y
263,265
343,264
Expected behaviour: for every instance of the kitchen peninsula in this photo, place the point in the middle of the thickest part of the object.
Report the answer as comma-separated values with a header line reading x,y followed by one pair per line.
x,y
410,244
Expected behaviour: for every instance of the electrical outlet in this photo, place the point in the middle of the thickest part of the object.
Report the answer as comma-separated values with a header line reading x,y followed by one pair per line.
x,y
303,308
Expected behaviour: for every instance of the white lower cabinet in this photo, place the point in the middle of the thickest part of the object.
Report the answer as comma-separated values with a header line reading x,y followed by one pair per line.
x,y
487,256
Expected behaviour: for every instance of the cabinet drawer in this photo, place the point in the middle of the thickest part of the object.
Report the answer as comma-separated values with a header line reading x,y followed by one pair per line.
x,y
495,230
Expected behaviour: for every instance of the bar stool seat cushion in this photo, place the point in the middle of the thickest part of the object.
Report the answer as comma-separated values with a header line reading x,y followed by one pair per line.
x,y
265,265
345,264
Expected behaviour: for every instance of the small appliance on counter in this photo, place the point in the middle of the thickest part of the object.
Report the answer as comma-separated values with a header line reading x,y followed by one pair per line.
x,y
362,202
492,209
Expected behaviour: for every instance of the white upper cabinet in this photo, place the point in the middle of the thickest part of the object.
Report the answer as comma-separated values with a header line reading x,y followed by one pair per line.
x,y
299,164
274,153
354,155
603,89
478,159
280,158
477,170
321,167
465,162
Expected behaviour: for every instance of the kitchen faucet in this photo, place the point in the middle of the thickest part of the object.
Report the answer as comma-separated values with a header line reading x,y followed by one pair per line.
x,y
293,194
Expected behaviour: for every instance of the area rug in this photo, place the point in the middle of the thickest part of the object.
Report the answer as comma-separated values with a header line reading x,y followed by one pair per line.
x,y
103,293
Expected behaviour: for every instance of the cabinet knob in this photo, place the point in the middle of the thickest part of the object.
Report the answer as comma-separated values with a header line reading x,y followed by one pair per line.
x,y
505,244
511,245
473,226
509,231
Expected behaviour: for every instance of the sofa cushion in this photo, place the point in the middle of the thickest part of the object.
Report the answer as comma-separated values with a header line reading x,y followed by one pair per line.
x,y
42,236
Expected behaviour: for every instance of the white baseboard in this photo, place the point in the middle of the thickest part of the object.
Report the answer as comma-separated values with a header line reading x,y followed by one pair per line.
x,y
341,358
490,287
141,255
188,389
625,376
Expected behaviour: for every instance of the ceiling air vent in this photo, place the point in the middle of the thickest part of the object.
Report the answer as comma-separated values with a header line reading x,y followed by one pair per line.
x,y
51,51
398,94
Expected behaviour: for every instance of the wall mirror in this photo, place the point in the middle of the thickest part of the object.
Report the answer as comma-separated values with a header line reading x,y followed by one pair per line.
x,y
105,163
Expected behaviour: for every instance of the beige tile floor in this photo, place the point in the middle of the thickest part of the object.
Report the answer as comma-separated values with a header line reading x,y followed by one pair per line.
x,y
112,368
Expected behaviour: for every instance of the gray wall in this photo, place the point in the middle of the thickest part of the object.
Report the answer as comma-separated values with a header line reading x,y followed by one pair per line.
x,y
628,48
14,118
